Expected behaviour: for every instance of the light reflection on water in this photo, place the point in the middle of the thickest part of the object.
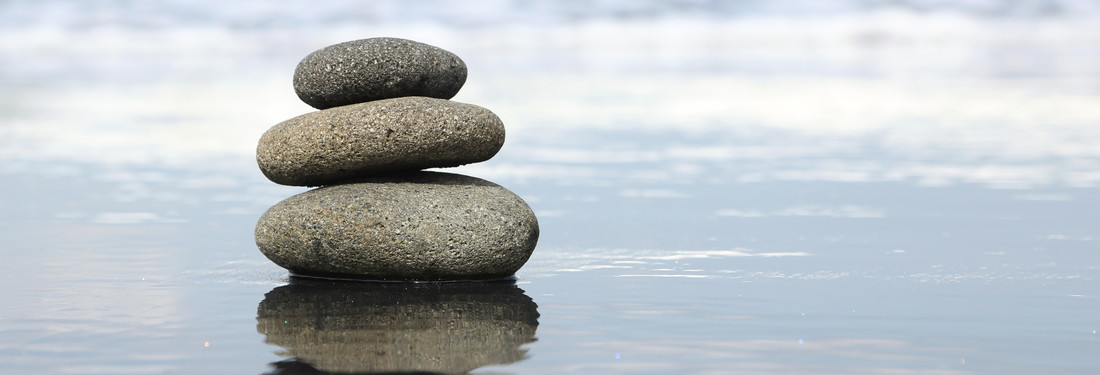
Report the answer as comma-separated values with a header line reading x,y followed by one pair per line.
x,y
352,327
878,191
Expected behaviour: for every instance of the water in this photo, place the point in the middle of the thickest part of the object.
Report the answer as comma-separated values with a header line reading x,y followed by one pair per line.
x,y
742,187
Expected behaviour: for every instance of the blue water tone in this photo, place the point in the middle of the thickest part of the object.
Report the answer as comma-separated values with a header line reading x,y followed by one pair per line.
x,y
752,187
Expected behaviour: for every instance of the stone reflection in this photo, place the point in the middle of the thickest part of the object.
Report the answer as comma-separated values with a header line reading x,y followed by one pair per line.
x,y
355,327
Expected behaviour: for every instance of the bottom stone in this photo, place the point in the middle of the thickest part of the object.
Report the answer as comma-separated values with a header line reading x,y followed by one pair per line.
x,y
419,226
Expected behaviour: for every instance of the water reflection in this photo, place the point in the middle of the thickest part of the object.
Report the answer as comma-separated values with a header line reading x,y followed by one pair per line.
x,y
354,327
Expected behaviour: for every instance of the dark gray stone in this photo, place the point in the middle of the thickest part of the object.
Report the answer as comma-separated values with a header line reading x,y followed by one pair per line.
x,y
416,226
377,68
355,327
384,136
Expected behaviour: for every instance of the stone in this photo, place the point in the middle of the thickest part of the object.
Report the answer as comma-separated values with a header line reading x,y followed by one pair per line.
x,y
384,136
377,68
420,226
354,327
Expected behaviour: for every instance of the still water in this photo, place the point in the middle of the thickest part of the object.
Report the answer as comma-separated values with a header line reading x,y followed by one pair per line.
x,y
760,188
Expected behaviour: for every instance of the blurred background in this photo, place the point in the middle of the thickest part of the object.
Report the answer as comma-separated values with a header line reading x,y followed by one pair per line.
x,y
194,82
923,173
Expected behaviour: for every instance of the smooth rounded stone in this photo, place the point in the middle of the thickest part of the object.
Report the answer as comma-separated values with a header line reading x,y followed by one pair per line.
x,y
401,134
415,227
377,68
355,327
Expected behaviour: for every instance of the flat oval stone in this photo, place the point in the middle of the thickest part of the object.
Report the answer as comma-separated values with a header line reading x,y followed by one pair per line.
x,y
417,226
401,134
377,68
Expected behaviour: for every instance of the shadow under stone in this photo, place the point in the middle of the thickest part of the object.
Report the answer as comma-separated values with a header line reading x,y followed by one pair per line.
x,y
328,326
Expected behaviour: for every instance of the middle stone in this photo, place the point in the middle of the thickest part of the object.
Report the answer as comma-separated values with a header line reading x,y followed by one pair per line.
x,y
345,143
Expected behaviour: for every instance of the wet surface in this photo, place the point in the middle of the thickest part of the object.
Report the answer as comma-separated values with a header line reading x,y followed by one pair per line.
x,y
758,191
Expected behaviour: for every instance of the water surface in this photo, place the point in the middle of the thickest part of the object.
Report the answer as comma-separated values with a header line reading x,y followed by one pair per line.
x,y
768,187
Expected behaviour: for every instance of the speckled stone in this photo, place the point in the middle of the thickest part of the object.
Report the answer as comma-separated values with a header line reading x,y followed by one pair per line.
x,y
400,134
416,226
392,328
377,68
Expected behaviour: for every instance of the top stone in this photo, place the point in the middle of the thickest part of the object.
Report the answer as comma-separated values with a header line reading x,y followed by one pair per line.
x,y
377,68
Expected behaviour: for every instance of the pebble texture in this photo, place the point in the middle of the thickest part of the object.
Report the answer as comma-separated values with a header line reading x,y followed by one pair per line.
x,y
417,226
449,328
401,134
377,68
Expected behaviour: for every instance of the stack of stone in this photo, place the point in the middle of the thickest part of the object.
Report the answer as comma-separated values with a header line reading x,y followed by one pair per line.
x,y
384,116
